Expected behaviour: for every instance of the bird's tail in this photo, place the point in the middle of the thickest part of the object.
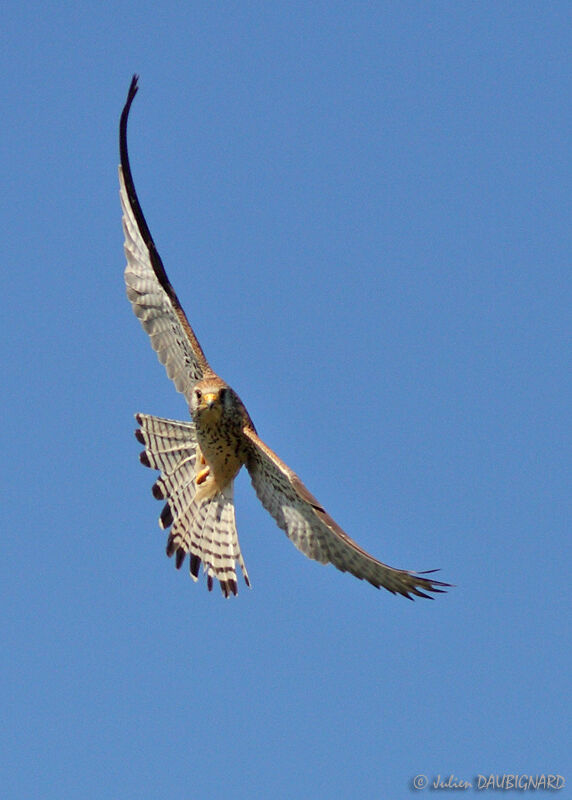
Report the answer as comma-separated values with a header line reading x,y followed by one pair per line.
x,y
202,524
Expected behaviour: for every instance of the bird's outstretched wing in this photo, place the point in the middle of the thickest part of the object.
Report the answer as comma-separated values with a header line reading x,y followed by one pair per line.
x,y
148,288
315,533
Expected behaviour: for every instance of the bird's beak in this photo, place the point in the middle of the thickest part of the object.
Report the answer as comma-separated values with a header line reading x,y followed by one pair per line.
x,y
209,399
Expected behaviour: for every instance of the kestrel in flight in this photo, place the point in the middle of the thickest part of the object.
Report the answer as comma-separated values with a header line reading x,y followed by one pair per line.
x,y
199,460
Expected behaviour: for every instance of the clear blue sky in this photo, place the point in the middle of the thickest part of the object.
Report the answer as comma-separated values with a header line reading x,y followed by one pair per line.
x,y
365,210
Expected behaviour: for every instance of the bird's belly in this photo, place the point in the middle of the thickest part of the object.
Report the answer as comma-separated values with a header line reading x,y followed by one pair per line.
x,y
222,454
223,468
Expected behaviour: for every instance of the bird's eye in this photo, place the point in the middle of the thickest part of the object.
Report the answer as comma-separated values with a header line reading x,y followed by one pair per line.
x,y
198,394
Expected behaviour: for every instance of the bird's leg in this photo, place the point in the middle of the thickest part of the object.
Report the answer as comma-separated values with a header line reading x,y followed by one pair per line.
x,y
203,473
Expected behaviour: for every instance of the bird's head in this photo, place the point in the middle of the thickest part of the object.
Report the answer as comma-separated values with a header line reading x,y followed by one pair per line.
x,y
212,400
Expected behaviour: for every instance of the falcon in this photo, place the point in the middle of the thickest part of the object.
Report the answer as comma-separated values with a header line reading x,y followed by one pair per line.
x,y
198,460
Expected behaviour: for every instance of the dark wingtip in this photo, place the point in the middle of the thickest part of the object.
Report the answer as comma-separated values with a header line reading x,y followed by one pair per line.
x,y
144,459
195,565
157,490
133,87
166,517
139,436
419,593
171,547
179,557
429,585
229,587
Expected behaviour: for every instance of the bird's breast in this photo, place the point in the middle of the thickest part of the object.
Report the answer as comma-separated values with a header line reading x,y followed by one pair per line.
x,y
223,449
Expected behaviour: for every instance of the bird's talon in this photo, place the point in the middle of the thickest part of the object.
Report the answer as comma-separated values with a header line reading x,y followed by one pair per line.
x,y
202,476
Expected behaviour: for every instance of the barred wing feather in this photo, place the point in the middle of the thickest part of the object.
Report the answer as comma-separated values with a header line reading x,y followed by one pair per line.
x,y
148,288
314,532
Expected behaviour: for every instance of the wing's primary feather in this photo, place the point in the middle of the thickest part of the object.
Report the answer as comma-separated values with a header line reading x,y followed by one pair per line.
x,y
314,532
148,288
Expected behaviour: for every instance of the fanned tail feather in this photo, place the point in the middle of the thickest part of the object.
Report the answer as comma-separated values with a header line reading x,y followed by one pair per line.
x,y
203,526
